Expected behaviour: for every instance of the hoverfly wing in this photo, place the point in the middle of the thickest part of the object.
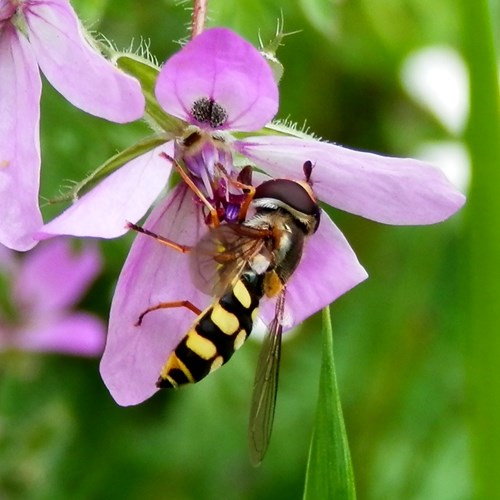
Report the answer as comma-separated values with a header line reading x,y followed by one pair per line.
x,y
265,387
222,254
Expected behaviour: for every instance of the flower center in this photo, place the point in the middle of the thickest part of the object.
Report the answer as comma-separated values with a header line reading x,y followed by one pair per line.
x,y
206,110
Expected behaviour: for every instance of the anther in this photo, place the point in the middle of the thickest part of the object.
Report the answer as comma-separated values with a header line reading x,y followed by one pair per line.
x,y
206,110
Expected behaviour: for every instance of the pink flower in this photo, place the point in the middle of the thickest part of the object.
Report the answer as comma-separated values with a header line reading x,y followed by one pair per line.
x,y
46,34
218,84
44,285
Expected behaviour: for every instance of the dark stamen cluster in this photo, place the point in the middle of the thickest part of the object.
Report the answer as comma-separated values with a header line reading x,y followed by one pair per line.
x,y
206,110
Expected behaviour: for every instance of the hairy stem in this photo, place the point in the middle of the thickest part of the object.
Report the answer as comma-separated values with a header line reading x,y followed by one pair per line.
x,y
199,16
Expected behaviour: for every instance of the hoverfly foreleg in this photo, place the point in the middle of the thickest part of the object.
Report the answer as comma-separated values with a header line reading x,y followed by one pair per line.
x,y
214,216
159,238
168,305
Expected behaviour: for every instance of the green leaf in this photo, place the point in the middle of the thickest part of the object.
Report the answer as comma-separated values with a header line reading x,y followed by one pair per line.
x,y
329,470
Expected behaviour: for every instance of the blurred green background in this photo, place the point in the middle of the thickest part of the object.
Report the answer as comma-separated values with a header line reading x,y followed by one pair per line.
x,y
405,340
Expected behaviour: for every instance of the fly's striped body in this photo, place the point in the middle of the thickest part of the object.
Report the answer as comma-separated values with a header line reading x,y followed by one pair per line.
x,y
216,334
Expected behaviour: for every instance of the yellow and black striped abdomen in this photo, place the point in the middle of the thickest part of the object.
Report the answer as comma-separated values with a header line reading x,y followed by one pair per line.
x,y
218,331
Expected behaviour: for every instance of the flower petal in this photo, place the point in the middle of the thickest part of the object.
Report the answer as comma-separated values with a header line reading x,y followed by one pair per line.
x,y
220,65
76,69
383,189
328,269
77,334
124,196
53,277
20,89
153,273
7,10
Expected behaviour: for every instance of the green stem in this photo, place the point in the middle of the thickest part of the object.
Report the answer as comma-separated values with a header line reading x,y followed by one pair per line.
x,y
483,249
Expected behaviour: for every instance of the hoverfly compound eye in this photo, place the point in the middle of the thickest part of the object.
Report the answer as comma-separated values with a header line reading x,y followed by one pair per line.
x,y
291,193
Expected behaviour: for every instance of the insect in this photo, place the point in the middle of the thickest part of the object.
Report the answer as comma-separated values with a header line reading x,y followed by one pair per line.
x,y
238,264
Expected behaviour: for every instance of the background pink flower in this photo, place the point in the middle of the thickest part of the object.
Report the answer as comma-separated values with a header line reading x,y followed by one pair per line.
x,y
44,286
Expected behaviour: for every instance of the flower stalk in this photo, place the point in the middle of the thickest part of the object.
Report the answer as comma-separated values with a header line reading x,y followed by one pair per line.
x,y
199,16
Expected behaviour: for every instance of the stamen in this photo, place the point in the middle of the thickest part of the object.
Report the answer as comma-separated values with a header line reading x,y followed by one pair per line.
x,y
206,110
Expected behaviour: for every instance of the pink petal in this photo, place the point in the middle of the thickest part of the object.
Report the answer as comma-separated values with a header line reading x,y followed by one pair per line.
x,y
124,196
20,89
77,334
328,269
53,276
77,70
7,10
153,273
383,189
220,65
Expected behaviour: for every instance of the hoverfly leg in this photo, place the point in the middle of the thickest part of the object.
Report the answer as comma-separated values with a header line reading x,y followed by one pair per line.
x,y
244,206
168,305
159,238
185,177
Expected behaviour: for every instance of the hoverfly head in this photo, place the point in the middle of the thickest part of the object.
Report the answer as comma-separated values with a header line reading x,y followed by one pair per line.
x,y
295,197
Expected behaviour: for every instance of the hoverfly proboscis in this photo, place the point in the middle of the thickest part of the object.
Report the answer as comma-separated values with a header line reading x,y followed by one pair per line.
x,y
238,264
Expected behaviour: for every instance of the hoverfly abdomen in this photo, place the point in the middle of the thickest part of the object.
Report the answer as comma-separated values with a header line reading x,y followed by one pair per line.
x,y
216,334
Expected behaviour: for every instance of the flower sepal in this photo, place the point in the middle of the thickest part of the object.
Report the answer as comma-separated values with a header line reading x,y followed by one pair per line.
x,y
147,72
280,128
269,51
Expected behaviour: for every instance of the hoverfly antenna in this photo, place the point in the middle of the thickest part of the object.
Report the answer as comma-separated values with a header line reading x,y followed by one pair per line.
x,y
308,168
245,175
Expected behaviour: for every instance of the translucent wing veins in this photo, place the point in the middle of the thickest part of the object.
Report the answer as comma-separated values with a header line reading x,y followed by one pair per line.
x,y
265,387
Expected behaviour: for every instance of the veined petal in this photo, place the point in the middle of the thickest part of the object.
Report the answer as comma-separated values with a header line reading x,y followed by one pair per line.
x,y
221,66
77,70
79,334
53,276
380,188
124,196
20,89
153,273
328,269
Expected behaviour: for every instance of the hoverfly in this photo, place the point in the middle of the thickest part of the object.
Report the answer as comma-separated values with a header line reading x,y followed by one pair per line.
x,y
239,264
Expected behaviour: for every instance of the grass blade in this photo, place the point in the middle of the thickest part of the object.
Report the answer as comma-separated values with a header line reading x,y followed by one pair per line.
x,y
329,470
